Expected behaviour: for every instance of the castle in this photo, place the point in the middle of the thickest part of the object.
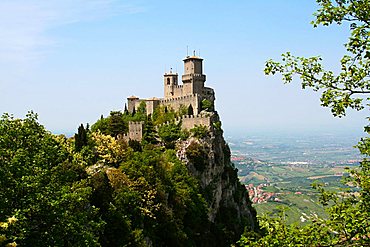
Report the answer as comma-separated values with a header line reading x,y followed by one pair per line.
x,y
190,93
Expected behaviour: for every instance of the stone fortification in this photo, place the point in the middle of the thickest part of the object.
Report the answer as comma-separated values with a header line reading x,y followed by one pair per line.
x,y
229,208
190,93
193,100
187,122
135,131
190,121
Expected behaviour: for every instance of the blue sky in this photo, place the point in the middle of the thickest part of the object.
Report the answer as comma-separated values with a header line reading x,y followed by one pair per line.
x,y
73,60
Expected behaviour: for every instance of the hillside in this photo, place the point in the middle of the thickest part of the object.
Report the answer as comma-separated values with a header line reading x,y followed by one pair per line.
x,y
176,187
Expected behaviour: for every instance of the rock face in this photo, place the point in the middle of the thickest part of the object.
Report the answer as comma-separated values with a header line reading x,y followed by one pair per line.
x,y
208,159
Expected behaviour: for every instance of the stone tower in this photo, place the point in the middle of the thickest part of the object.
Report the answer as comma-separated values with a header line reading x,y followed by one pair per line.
x,y
193,78
132,101
191,91
170,85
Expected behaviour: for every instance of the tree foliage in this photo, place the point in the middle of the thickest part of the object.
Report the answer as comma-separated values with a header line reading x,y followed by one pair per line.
x,y
169,134
105,193
81,137
207,105
350,87
43,188
163,114
197,155
150,134
349,211
199,131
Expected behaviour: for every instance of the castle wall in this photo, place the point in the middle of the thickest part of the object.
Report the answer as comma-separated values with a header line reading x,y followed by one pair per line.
x,y
137,103
178,91
151,105
131,103
188,88
176,103
135,131
191,92
173,91
188,122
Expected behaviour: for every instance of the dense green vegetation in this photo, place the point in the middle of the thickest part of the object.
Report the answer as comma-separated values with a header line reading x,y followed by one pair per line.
x,y
44,187
97,190
348,222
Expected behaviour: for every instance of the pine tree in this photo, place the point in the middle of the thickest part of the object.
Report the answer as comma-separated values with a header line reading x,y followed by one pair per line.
x,y
150,133
81,137
116,124
125,110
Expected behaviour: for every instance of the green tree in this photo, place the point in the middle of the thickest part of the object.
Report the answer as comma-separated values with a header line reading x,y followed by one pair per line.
x,y
197,155
169,134
349,212
101,125
207,105
135,145
347,89
116,124
162,114
183,110
43,187
149,132
200,131
125,111
81,137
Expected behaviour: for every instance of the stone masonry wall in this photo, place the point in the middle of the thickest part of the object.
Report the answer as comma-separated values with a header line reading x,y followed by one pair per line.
x,y
135,131
176,103
188,122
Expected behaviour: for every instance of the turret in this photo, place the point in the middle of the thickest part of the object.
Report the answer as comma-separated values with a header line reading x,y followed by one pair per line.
x,y
193,78
131,103
170,83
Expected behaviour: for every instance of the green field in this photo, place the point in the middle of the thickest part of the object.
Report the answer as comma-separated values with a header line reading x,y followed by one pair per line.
x,y
286,166
295,206
292,186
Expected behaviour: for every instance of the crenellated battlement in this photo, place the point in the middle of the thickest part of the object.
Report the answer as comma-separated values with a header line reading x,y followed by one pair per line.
x,y
135,124
189,121
186,97
135,131
189,94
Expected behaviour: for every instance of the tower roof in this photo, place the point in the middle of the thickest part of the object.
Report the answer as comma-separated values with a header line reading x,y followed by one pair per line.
x,y
132,97
170,73
192,58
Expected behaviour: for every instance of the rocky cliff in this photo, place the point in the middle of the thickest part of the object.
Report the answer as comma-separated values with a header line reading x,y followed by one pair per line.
x,y
207,158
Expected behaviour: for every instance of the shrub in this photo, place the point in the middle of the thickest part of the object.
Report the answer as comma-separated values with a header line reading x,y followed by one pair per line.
x,y
197,156
199,131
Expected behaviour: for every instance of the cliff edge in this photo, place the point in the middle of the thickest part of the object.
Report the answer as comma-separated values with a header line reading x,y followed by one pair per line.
x,y
207,157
